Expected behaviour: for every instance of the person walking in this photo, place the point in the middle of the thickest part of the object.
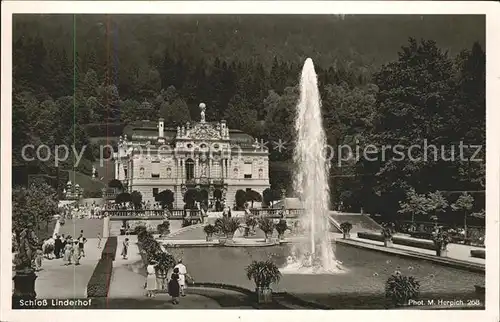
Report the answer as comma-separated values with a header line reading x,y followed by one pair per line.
x,y
38,259
125,248
173,286
183,274
81,243
57,246
76,253
151,279
99,239
68,252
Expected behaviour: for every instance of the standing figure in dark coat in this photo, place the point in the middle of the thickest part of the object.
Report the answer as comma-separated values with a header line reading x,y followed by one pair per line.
x,y
58,246
173,286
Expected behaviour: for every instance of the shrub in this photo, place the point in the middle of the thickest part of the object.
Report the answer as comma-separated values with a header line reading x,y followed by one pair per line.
x,y
266,225
109,250
424,244
164,262
164,228
263,273
346,227
209,229
387,231
400,289
441,239
250,221
98,285
226,226
281,227
478,253
140,231
186,222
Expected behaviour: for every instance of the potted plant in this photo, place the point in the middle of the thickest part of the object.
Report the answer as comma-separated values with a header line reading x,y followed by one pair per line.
x,y
164,262
441,240
401,289
281,227
263,273
250,223
387,233
164,228
227,226
209,231
267,226
346,229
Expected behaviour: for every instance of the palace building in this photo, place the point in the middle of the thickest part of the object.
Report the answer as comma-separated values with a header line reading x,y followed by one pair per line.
x,y
207,156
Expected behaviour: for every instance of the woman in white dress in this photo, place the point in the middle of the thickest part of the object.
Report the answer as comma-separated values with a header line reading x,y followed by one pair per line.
x,y
151,279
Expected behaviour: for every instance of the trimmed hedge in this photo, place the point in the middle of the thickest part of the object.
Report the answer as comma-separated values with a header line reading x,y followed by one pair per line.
x,y
478,253
421,234
424,244
109,250
98,285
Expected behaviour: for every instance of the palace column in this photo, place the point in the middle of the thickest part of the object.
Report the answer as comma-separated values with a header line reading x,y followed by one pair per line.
x,y
117,171
197,167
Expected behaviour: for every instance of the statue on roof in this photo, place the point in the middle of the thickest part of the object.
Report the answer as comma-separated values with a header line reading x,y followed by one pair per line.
x,y
202,108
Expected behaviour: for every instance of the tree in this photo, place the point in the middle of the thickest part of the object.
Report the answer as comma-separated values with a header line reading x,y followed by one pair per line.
x,y
123,198
176,113
267,197
35,205
252,195
415,204
464,204
115,183
240,198
280,115
166,198
241,115
414,97
136,199
436,203
191,197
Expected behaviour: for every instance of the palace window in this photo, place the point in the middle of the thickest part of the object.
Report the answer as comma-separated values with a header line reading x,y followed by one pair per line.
x,y
155,192
248,170
189,169
155,169
217,171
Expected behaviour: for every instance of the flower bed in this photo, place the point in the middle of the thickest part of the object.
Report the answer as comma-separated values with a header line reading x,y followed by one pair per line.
x,y
109,250
478,253
98,285
424,244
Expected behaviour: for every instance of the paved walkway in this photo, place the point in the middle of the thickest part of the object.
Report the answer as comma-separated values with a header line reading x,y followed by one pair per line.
x,y
90,227
56,280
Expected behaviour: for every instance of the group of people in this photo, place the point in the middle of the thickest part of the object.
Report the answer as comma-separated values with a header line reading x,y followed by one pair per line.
x,y
176,285
85,211
70,249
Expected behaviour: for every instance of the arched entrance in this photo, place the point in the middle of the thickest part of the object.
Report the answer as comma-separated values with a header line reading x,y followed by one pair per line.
x,y
218,199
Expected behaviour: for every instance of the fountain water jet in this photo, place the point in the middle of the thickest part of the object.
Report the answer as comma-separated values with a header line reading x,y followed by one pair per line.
x,y
314,255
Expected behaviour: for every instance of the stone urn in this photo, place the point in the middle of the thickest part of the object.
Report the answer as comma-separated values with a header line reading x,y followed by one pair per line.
x,y
24,286
264,295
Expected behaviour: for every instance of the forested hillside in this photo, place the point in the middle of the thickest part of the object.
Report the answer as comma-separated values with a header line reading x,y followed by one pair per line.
x,y
378,86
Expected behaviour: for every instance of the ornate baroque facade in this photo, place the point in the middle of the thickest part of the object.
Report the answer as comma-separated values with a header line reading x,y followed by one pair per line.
x,y
206,155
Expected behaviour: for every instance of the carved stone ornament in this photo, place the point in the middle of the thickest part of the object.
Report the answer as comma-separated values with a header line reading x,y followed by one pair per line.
x,y
203,131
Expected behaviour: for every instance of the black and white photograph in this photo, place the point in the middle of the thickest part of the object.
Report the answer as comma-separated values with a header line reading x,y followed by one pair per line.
x,y
243,161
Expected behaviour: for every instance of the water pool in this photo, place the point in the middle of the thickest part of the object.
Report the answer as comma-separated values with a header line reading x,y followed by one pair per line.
x,y
365,279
